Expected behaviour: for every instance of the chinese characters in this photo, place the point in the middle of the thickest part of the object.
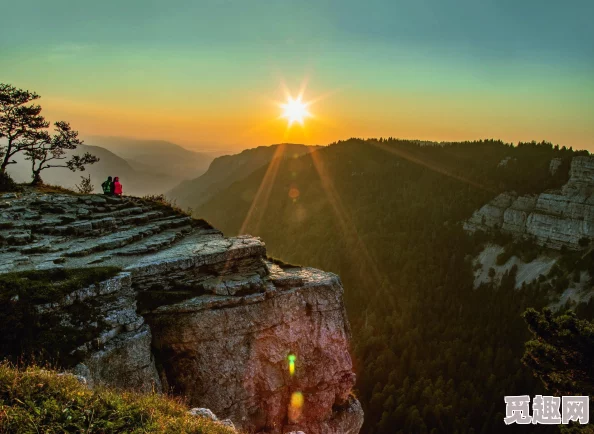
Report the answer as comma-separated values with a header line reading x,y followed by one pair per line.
x,y
547,410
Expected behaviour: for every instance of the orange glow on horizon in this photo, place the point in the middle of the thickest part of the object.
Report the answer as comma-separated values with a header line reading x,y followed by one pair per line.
x,y
251,121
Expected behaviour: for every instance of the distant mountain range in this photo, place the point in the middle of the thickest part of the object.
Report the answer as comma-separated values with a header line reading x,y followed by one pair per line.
x,y
155,156
144,166
228,169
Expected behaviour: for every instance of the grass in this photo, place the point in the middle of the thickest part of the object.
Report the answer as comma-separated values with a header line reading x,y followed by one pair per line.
x,y
160,201
35,400
47,188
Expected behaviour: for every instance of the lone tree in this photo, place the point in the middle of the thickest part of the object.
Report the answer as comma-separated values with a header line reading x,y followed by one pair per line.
x,y
48,150
20,122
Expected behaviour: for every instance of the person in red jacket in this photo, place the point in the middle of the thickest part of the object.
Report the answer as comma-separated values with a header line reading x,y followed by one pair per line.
x,y
117,186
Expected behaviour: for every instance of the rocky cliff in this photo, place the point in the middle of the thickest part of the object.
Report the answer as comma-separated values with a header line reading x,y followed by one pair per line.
x,y
262,343
554,219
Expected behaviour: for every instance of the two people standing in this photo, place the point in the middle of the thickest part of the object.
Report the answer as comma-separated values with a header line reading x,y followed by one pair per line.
x,y
112,187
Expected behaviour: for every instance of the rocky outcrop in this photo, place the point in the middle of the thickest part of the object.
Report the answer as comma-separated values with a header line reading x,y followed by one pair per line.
x,y
525,272
555,164
108,338
208,317
208,414
299,313
554,218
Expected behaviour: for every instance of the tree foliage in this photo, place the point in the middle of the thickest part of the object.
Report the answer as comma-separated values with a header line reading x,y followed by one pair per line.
x,y
25,131
561,352
49,150
20,122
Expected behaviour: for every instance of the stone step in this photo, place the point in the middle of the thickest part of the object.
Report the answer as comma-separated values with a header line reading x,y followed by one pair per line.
x,y
108,242
82,227
223,255
16,237
142,218
154,243
123,238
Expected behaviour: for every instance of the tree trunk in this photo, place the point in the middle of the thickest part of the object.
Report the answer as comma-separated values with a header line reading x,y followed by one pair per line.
x,y
7,156
37,179
4,164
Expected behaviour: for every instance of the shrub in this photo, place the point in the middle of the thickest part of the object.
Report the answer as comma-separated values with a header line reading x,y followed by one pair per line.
x,y
7,184
85,186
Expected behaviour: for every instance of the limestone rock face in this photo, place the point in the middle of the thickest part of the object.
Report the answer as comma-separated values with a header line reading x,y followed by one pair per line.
x,y
118,352
554,218
251,339
555,165
265,346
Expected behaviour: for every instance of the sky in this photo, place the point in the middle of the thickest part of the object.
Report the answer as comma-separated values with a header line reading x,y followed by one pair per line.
x,y
210,74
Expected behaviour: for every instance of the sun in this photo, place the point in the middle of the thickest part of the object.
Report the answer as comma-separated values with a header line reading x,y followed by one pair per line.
x,y
295,110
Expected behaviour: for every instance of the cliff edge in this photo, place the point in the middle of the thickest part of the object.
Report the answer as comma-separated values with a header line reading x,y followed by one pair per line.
x,y
187,310
553,218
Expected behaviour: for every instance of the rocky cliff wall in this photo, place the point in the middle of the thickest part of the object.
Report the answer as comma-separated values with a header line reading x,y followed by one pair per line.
x,y
253,338
206,316
553,218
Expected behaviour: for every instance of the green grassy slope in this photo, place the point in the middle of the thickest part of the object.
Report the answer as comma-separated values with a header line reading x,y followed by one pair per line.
x,y
35,400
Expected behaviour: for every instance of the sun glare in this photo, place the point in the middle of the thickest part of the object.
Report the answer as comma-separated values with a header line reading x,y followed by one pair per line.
x,y
295,110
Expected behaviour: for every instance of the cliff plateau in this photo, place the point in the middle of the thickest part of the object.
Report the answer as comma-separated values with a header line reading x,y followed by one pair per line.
x,y
187,310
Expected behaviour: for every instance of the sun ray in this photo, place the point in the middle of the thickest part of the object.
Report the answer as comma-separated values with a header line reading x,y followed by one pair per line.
x,y
357,250
259,204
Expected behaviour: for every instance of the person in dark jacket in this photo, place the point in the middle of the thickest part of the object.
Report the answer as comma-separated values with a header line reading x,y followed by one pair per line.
x,y
117,186
107,186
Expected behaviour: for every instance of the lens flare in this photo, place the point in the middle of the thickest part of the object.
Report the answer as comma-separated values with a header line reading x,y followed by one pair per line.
x,y
292,358
295,409
294,193
297,400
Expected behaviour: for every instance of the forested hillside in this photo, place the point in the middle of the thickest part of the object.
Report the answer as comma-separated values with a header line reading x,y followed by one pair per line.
x,y
432,353
227,169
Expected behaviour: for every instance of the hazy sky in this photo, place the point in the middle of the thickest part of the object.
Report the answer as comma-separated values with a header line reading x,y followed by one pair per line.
x,y
210,73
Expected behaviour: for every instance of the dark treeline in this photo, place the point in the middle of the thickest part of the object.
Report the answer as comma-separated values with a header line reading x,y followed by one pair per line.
x,y
432,354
